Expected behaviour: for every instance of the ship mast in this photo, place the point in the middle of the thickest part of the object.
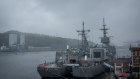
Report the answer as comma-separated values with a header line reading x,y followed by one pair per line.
x,y
83,33
105,39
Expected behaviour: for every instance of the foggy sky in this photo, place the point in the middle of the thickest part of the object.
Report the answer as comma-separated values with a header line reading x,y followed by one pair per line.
x,y
63,17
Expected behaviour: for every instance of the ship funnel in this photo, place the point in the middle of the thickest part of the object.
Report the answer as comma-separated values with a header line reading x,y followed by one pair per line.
x,y
85,57
67,46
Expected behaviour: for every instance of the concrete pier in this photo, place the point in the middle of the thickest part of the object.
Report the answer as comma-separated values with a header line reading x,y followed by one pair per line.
x,y
109,75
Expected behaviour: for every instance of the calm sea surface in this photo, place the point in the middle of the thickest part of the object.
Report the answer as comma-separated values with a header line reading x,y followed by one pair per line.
x,y
23,65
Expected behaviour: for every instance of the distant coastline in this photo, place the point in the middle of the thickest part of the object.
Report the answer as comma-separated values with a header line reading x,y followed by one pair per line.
x,y
37,41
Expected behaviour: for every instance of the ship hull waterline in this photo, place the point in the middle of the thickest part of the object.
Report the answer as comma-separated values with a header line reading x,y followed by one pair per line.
x,y
52,72
89,72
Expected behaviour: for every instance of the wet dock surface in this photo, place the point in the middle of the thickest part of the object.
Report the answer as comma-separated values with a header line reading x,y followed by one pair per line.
x,y
109,75
23,65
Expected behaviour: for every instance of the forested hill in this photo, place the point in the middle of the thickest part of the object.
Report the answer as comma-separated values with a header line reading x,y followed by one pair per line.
x,y
49,41
40,40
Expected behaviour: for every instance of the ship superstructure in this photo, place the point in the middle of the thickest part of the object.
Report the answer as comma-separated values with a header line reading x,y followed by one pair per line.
x,y
84,45
105,39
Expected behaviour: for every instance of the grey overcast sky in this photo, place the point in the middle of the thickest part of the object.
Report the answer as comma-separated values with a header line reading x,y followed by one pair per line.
x,y
63,17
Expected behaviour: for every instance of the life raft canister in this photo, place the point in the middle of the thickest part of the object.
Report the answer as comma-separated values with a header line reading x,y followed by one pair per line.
x,y
81,61
43,66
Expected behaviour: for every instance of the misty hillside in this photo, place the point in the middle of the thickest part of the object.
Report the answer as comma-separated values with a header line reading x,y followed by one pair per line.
x,y
40,40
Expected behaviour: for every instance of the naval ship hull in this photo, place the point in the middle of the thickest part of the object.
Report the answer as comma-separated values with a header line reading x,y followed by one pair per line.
x,y
52,72
89,72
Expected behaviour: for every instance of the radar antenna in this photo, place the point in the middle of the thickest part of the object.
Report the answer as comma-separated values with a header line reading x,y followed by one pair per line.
x,y
104,29
83,33
105,39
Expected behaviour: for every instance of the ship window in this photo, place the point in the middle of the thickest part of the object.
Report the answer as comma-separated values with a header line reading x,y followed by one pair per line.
x,y
72,61
134,60
138,53
133,52
137,61
136,69
97,54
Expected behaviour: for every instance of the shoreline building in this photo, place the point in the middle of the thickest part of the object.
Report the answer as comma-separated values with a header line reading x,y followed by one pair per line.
x,y
22,42
16,42
135,58
122,65
13,42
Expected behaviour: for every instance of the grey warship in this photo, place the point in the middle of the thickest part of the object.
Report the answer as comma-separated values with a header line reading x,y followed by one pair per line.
x,y
96,59
84,62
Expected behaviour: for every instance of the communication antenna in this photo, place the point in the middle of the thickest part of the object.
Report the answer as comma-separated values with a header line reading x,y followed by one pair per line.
x,y
104,29
83,34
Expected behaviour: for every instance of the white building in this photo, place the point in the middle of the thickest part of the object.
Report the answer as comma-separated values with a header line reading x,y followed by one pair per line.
x,y
12,39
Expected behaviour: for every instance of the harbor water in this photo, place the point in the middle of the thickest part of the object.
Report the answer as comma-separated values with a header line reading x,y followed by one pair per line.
x,y
23,65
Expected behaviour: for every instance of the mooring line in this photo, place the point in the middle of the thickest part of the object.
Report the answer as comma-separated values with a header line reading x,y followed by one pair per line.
x,y
84,73
57,74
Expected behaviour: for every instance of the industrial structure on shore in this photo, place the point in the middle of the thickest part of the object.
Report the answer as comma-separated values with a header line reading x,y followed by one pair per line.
x,y
13,42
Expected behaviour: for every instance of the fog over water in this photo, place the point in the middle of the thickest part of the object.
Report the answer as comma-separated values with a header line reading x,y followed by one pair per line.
x,y
62,18
23,65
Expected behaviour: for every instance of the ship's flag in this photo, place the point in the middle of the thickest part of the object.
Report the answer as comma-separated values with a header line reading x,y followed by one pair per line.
x,y
81,61
43,66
